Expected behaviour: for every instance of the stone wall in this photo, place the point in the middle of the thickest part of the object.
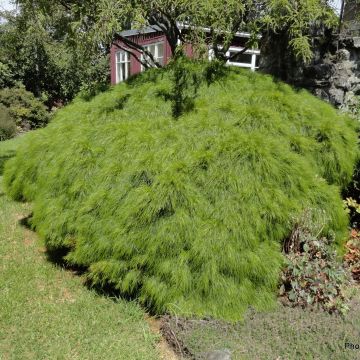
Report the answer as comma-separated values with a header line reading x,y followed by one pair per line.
x,y
333,75
336,77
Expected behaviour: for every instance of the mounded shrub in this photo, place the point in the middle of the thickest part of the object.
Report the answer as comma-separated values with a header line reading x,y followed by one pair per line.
x,y
186,214
24,107
7,124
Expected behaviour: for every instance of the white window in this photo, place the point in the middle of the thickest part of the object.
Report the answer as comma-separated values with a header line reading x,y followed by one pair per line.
x,y
122,66
157,51
248,59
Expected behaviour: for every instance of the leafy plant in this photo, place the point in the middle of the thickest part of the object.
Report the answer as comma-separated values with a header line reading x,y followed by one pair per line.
x,y
28,112
6,76
352,256
186,215
313,274
352,207
7,124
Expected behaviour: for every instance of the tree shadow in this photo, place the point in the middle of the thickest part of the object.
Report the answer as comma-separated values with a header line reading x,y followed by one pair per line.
x,y
55,256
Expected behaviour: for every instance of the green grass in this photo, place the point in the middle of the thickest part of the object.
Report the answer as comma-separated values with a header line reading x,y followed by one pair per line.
x,y
187,215
287,333
47,312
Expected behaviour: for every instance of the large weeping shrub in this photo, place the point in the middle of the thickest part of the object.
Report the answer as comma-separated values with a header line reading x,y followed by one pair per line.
x,y
186,214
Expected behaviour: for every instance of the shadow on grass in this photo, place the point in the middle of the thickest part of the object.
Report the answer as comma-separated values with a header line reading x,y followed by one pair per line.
x,y
57,257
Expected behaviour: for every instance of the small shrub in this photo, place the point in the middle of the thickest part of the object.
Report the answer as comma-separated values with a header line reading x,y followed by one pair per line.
x,y
352,256
313,275
24,107
352,207
7,124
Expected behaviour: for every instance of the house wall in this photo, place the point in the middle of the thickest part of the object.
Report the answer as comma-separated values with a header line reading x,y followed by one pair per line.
x,y
144,39
154,37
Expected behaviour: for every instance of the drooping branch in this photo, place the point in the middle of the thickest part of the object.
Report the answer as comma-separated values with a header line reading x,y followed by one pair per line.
x,y
229,58
132,45
132,53
169,27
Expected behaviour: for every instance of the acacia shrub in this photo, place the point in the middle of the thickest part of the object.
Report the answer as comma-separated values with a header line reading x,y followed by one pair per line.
x,y
187,215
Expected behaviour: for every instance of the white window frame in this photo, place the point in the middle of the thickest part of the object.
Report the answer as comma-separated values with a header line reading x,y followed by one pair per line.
x,y
157,58
120,75
253,52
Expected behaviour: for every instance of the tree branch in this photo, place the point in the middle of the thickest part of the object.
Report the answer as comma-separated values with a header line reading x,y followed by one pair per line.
x,y
135,46
132,53
229,58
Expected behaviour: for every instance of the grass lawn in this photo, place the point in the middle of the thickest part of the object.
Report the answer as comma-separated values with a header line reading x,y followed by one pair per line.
x,y
284,334
47,313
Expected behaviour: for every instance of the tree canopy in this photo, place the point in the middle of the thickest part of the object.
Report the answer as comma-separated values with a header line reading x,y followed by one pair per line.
x,y
64,44
212,22
36,50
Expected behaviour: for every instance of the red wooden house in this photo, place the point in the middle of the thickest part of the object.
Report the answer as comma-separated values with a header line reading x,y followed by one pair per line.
x,y
153,39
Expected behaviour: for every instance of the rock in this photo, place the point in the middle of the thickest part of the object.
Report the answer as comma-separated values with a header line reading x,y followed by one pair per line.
x,y
336,96
219,355
356,89
320,71
343,54
350,100
322,94
356,42
342,81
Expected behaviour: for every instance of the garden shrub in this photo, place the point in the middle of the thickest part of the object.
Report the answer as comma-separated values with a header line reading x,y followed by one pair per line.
x,y
7,124
24,107
186,214
313,275
352,256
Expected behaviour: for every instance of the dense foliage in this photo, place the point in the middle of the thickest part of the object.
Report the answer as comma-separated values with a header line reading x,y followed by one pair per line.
x,y
35,50
186,213
24,107
7,124
100,21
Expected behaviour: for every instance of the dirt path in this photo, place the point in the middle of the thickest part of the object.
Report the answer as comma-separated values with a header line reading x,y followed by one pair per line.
x,y
165,350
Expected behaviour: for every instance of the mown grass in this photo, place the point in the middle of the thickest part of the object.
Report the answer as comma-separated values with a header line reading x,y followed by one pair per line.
x,y
284,334
47,313
187,215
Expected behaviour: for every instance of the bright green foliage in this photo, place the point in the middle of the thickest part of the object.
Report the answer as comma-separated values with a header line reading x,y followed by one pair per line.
x,y
185,214
7,124
28,111
46,312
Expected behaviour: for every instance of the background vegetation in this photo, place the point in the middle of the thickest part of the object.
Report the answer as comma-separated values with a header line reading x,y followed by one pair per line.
x,y
187,215
28,112
7,124
43,58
